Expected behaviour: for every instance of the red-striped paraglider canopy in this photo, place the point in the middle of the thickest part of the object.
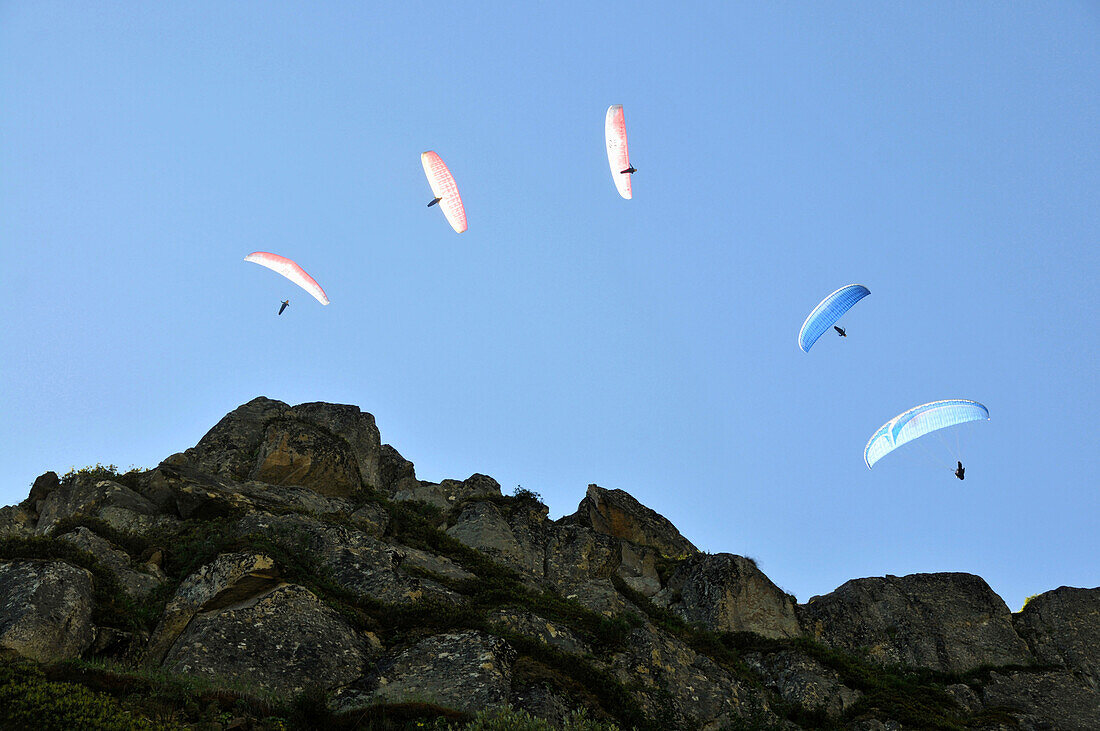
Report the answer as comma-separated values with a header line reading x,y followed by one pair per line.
x,y
618,157
444,188
291,271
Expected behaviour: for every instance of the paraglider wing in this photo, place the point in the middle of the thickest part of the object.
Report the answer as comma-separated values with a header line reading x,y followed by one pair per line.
x,y
827,312
918,421
444,188
291,271
617,154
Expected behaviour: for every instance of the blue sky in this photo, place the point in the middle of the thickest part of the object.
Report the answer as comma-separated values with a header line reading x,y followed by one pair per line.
x,y
945,155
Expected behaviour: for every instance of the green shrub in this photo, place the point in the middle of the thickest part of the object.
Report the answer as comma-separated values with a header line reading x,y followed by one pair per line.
x,y
29,700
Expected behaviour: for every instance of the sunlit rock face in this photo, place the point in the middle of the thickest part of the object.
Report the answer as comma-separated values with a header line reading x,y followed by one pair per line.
x,y
727,593
616,513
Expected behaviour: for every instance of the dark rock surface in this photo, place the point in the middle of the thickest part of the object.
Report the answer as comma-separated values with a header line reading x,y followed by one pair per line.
x,y
951,622
1060,700
1062,627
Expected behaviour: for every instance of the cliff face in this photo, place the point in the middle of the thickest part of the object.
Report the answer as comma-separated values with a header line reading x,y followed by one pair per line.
x,y
291,549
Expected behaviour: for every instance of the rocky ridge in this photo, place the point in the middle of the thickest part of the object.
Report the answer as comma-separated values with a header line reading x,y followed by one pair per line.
x,y
292,552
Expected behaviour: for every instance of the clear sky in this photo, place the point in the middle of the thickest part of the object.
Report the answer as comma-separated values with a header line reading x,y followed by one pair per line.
x,y
945,155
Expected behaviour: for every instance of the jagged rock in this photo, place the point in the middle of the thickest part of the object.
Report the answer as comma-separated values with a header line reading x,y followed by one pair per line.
x,y
1059,699
43,485
468,670
309,444
281,640
682,689
229,579
135,583
359,562
393,469
45,610
728,593
949,621
616,513
1062,627
115,504
531,625
800,679
449,493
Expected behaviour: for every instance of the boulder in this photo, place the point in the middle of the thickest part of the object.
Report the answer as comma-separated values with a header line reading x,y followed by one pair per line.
x,y
951,622
232,578
45,610
1062,627
135,583
728,593
282,640
468,670
616,513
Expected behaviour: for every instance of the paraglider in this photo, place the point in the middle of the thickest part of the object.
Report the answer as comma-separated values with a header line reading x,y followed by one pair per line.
x,y
960,471
286,303
290,270
827,312
840,331
918,421
444,189
618,156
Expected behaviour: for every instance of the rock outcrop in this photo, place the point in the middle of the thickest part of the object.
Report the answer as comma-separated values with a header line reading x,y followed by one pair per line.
x,y
950,622
616,513
1062,627
727,593
292,552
